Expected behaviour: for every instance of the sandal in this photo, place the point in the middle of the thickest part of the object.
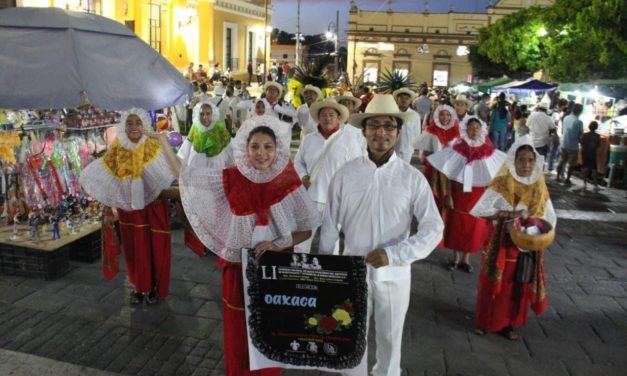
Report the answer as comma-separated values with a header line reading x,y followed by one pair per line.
x,y
135,298
452,265
466,267
509,333
152,298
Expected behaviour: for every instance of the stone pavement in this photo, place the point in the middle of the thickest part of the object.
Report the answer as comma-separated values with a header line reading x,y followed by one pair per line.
x,y
80,323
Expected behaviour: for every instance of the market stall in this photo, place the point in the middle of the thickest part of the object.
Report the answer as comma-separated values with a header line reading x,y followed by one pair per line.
x,y
68,103
527,92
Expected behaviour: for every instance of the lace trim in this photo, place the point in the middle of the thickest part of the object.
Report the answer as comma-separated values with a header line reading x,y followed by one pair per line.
x,y
240,148
436,117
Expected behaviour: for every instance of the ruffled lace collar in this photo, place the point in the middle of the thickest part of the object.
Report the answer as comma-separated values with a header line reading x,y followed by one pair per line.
x,y
463,132
436,116
121,128
215,115
240,148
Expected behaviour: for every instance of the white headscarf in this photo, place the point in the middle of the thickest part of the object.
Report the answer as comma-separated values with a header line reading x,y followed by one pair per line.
x,y
196,114
463,131
121,127
510,162
449,109
240,148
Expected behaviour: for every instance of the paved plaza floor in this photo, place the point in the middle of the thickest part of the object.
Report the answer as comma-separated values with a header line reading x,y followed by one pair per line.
x,y
81,324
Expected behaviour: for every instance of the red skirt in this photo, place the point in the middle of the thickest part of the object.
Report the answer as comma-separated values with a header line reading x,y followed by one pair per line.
x,y
235,335
464,232
510,306
146,239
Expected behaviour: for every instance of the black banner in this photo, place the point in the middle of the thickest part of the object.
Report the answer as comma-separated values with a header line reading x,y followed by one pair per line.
x,y
308,310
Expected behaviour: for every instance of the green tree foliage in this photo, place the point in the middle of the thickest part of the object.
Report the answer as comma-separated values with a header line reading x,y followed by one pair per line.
x,y
513,40
580,40
586,40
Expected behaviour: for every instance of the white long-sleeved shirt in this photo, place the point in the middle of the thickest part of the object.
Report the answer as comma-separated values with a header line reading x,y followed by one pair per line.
x,y
374,207
344,146
409,133
307,124
540,124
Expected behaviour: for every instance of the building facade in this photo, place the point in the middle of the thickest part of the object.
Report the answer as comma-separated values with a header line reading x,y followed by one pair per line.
x,y
433,47
229,32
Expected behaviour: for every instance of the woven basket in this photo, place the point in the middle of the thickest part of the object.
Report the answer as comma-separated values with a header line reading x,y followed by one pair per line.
x,y
528,242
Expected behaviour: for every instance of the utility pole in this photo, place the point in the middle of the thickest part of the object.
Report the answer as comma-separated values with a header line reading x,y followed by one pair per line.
x,y
337,40
297,62
265,43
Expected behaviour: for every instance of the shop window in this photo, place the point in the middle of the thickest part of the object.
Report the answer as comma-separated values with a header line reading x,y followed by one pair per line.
x,y
155,25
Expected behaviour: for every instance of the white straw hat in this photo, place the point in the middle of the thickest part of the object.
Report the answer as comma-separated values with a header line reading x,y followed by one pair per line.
x,y
404,90
348,95
273,84
314,89
380,105
314,110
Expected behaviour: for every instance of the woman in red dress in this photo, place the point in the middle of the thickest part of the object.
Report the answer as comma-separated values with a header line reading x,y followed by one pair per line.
x,y
469,166
518,190
442,131
258,203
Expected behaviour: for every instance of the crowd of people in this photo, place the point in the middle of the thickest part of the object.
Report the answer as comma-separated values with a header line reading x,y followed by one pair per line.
x,y
240,187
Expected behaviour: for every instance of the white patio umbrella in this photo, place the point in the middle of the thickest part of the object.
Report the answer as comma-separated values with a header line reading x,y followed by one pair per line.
x,y
53,58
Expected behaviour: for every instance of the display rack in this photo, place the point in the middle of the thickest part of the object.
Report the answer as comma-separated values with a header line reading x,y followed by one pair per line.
x,y
47,259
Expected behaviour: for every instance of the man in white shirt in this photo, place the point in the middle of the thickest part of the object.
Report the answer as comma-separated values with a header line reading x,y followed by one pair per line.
x,y
307,124
423,104
540,125
411,128
462,104
323,152
275,106
352,103
372,199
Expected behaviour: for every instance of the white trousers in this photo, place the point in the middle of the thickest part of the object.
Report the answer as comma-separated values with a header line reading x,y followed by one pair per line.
x,y
305,247
389,301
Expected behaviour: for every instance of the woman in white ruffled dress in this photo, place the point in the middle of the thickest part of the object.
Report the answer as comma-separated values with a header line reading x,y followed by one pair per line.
x,y
259,203
469,165
130,178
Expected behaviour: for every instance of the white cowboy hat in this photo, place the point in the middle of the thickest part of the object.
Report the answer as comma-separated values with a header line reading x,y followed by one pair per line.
x,y
404,90
314,89
315,108
380,105
348,96
273,84
462,98
545,103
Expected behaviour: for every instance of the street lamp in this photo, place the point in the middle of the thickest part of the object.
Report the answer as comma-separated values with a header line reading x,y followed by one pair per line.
x,y
335,36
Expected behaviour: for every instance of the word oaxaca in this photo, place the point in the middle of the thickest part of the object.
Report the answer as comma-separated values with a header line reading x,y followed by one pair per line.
x,y
306,310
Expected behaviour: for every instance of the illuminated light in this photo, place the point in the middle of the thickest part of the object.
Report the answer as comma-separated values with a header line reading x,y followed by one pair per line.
x,y
542,32
462,50
461,88
269,29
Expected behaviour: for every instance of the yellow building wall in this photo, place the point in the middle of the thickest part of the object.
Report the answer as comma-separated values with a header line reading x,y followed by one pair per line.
x,y
200,41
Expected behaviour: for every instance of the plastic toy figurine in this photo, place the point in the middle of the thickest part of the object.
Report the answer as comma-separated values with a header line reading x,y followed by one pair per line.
x,y
16,221
33,223
54,220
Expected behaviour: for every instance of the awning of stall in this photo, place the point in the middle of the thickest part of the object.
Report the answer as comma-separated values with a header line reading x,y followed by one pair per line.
x,y
53,58
608,88
531,84
486,87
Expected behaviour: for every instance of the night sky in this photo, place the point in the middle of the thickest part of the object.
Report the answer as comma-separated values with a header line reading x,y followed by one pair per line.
x,y
316,14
